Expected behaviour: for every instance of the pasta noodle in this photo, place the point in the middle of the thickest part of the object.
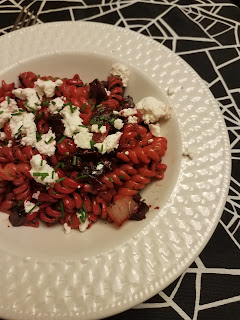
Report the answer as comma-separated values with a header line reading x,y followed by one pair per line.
x,y
83,164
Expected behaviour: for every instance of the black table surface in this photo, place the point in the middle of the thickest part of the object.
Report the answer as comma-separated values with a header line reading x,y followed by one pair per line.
x,y
205,33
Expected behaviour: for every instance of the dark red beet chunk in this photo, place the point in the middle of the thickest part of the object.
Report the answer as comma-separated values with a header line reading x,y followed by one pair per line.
x,y
127,102
17,216
55,122
69,166
140,214
97,91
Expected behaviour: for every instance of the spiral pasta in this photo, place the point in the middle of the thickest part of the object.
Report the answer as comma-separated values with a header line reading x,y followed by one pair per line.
x,y
68,154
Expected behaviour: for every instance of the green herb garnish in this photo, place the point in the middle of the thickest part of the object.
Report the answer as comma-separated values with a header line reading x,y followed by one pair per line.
x,y
61,140
74,160
1,112
19,203
38,136
53,102
81,177
49,140
16,114
62,209
111,179
92,143
61,179
19,130
8,100
41,163
34,207
102,148
40,174
121,177
83,106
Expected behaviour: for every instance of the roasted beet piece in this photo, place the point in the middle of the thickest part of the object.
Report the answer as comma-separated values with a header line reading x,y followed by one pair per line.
x,y
69,166
17,216
55,122
97,91
140,214
127,102
103,114
87,155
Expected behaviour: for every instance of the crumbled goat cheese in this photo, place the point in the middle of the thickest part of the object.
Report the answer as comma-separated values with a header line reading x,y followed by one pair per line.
x,y
115,112
152,110
45,173
102,129
150,140
66,228
9,143
47,144
126,153
155,129
110,143
82,139
71,120
36,195
99,166
28,205
25,126
122,71
132,119
32,97
2,136
48,86
118,124
107,92
128,112
6,109
56,105
83,226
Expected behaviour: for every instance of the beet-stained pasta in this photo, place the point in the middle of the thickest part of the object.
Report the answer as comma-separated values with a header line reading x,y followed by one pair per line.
x,y
72,152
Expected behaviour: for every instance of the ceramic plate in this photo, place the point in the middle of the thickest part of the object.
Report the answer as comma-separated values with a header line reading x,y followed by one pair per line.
x,y
49,275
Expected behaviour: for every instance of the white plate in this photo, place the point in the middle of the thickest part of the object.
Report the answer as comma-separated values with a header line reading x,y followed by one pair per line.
x,y
46,274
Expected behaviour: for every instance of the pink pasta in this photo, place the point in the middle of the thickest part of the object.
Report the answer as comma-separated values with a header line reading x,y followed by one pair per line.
x,y
78,178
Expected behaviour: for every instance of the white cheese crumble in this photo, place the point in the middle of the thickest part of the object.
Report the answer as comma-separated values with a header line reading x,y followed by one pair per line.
x,y
110,143
31,95
102,129
150,140
128,112
83,226
47,144
132,119
115,112
107,92
118,124
71,120
28,205
56,105
152,110
2,136
40,167
9,143
24,125
119,69
36,195
7,107
126,153
83,138
155,129
48,86
66,228
99,166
